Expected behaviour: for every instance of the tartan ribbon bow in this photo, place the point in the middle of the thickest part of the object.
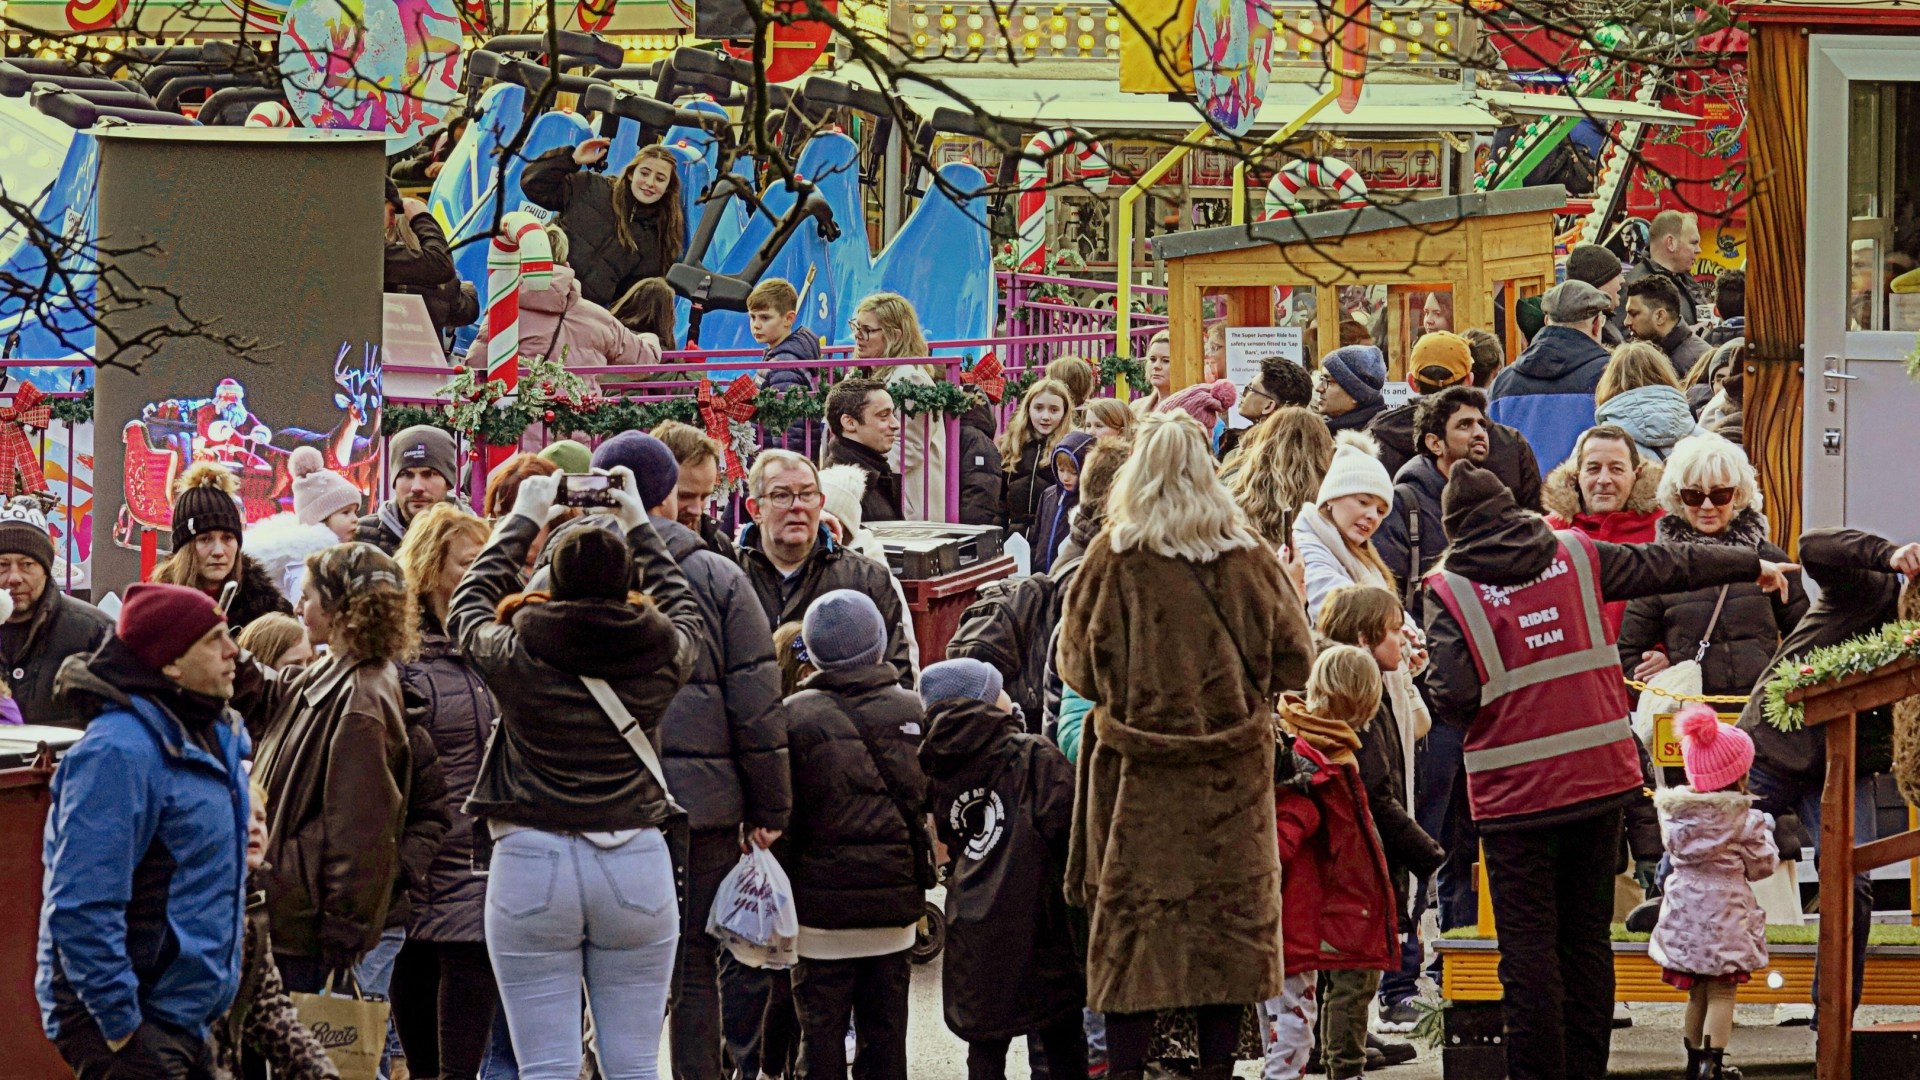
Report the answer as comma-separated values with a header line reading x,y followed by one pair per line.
x,y
989,377
717,411
28,409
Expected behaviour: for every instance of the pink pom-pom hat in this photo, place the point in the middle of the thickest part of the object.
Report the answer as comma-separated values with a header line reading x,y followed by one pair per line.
x,y
1717,755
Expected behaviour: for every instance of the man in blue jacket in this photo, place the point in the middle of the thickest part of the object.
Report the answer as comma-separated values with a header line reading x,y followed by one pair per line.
x,y
1548,393
145,851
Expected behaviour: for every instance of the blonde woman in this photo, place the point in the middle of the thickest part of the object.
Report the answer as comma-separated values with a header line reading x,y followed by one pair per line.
x,y
1159,373
1334,536
1639,393
445,1013
1183,628
1276,470
885,327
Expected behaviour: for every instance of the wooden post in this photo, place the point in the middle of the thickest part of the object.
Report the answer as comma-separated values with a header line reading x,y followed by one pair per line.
x,y
1834,1043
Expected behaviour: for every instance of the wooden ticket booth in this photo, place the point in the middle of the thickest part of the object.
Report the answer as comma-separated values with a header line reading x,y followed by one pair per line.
x,y
1452,263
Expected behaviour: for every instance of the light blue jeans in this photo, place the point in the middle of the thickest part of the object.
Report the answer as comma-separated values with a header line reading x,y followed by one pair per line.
x,y
374,972
561,910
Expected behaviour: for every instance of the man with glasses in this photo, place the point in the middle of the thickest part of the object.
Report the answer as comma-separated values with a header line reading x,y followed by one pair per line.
x,y
1281,382
792,559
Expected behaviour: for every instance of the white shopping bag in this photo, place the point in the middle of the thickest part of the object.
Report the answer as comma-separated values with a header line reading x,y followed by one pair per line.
x,y
753,912
1681,678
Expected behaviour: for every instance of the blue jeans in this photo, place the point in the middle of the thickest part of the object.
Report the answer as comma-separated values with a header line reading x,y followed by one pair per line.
x,y
1779,794
1440,807
375,974
561,910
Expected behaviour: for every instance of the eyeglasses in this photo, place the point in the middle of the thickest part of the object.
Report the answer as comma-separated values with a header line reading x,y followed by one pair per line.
x,y
862,331
787,500
1720,496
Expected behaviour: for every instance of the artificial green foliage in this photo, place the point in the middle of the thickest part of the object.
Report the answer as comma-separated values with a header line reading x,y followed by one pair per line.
x,y
73,410
1855,656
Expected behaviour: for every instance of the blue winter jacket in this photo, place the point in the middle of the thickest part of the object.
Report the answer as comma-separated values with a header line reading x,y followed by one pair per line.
x,y
803,437
1548,393
146,866
1053,523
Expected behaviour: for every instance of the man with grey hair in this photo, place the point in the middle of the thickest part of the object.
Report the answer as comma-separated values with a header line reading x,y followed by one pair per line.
x,y
1547,394
793,559
1673,244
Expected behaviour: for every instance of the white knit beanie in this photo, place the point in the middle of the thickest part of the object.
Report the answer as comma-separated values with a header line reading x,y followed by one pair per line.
x,y
1356,470
843,486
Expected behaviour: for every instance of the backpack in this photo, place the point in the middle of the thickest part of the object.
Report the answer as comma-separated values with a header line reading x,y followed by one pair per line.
x,y
1410,591
1010,625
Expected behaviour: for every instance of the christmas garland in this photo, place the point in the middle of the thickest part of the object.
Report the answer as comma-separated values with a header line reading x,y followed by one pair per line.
x,y
1855,656
74,410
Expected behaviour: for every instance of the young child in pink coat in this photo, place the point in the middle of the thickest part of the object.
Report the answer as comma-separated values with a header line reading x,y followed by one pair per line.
x,y
1712,934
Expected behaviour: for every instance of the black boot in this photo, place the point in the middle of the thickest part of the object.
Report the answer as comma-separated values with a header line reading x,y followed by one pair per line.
x,y
1717,1067
1696,1059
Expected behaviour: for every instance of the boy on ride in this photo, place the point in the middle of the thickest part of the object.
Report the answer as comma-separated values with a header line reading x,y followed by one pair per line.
x,y
772,308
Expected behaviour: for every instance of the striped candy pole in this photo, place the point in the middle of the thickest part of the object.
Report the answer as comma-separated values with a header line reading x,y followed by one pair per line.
x,y
270,114
1030,211
519,255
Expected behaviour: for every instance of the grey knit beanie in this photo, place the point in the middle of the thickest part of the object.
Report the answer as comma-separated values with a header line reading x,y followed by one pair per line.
x,y
962,678
844,629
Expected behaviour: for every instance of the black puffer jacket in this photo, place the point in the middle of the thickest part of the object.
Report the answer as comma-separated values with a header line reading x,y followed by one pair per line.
x,y
848,853
1859,593
1751,624
427,273
59,627
558,762
1029,479
828,567
429,819
983,480
724,751
1003,804
605,267
447,699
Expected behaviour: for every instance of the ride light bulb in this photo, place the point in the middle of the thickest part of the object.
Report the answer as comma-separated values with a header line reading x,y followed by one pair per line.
x,y
1775,980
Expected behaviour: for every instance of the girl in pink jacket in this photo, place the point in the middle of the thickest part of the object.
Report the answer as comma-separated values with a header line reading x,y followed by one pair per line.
x,y
1712,934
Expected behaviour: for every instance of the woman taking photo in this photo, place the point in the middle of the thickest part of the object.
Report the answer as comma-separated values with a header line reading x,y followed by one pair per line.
x,y
884,327
1712,496
622,229
418,261
443,993
1183,628
581,882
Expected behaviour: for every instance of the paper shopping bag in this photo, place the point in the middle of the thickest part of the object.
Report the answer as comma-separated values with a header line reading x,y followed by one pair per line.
x,y
352,1029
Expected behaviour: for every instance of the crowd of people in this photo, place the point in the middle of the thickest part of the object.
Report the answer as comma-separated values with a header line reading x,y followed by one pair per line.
x,y
1189,786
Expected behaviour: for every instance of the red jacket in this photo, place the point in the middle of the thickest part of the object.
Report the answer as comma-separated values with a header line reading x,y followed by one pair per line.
x,y
1620,527
1336,897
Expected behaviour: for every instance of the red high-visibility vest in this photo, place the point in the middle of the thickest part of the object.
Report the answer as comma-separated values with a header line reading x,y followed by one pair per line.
x,y
1553,728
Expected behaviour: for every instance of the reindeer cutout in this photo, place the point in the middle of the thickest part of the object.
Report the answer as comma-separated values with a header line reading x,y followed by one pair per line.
x,y
352,447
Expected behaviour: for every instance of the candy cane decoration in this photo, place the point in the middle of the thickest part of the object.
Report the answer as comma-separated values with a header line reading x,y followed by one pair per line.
x,y
1031,210
518,256
1283,191
270,114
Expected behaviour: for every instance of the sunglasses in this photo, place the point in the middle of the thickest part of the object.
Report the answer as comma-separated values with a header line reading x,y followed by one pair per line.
x,y
1720,496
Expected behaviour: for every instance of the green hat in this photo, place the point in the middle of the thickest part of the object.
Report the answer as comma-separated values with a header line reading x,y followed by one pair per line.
x,y
571,456
1528,314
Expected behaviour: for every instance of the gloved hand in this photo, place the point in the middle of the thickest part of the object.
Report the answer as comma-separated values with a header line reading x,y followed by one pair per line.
x,y
534,500
1645,872
626,500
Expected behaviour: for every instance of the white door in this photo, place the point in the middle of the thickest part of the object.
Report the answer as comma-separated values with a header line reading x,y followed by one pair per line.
x,y
1863,234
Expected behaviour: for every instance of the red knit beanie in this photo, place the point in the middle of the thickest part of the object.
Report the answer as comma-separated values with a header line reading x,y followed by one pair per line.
x,y
159,623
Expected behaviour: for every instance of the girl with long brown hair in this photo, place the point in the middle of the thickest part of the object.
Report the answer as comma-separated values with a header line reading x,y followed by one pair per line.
x,y
623,229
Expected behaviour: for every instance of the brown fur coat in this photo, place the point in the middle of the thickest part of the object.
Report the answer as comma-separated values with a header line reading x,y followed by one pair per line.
x,y
1173,851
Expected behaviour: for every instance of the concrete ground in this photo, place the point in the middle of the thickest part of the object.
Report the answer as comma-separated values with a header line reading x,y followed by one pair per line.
x,y
1650,1048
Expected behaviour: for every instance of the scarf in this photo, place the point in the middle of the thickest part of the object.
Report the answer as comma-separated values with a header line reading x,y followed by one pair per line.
x,y
1748,529
1338,741
1360,571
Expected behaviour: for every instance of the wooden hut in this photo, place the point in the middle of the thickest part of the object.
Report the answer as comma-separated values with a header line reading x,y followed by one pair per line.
x,y
1478,251
1833,132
